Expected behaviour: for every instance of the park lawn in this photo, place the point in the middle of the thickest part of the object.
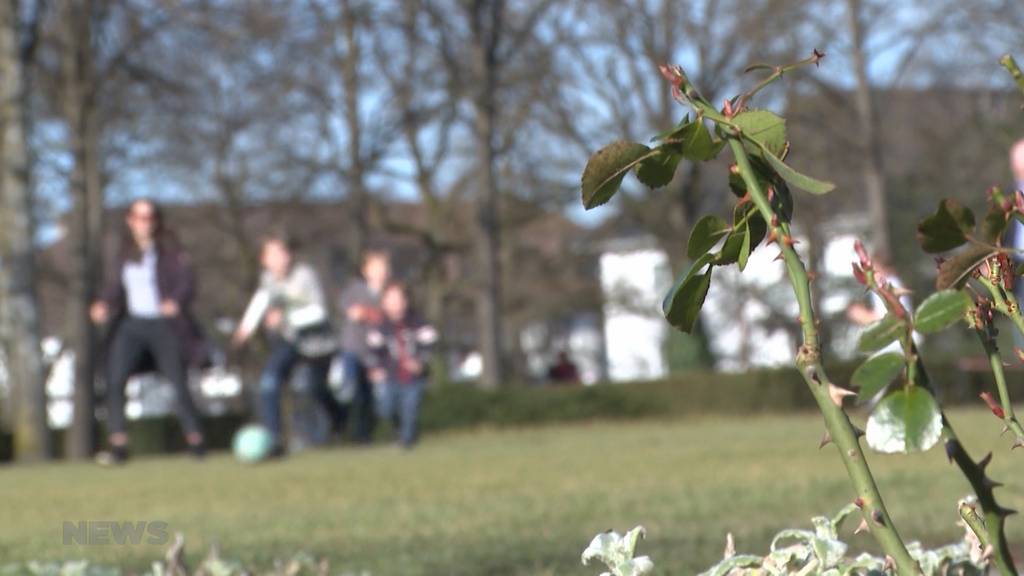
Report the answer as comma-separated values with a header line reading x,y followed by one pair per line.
x,y
494,502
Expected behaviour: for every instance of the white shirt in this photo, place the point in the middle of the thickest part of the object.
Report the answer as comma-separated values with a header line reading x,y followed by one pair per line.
x,y
140,287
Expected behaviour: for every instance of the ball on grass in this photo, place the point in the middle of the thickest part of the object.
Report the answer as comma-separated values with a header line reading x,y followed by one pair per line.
x,y
252,443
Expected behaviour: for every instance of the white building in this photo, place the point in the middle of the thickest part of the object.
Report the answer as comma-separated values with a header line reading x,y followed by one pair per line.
x,y
748,316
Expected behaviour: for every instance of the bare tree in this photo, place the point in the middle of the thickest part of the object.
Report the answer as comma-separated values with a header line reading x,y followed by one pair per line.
x,y
79,80
487,47
612,58
19,316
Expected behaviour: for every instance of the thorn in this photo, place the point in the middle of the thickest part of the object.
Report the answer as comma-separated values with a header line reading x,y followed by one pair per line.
x,y
779,257
1006,428
1019,353
857,432
812,374
730,546
1004,512
990,483
878,518
890,564
773,236
862,527
900,292
825,440
836,394
951,447
811,276
734,169
984,462
1018,443
993,405
790,241
858,502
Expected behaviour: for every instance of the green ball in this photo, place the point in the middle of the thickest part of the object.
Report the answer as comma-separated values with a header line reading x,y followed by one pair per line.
x,y
252,443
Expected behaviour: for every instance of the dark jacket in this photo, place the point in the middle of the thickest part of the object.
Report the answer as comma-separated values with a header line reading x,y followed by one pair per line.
x,y
176,281
391,341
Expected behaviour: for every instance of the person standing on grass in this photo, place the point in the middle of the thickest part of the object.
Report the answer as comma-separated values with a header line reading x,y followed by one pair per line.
x,y
145,302
398,354
290,304
360,307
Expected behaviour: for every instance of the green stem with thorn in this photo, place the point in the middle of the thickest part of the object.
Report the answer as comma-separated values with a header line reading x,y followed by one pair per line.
x,y
974,472
808,361
1006,304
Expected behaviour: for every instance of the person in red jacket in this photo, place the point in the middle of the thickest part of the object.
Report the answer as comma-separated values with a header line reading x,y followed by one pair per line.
x,y
399,350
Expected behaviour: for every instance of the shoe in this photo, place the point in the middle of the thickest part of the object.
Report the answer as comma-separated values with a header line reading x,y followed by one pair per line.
x,y
115,456
198,451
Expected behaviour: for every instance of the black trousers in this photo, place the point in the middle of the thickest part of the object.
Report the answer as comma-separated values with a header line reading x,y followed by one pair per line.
x,y
134,338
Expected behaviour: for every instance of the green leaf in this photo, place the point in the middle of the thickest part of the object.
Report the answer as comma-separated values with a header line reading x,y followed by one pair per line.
x,y
674,131
876,373
659,169
782,200
940,310
741,261
880,334
947,228
994,225
955,270
697,143
747,232
705,234
765,128
798,179
683,302
607,167
905,421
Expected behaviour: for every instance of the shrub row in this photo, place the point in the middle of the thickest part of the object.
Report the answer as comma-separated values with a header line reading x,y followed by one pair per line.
x,y
460,406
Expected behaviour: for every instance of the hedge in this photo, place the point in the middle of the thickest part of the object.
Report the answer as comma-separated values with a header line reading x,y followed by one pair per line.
x,y
462,406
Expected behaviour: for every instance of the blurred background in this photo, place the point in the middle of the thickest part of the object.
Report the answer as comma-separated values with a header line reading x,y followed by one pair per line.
x,y
454,133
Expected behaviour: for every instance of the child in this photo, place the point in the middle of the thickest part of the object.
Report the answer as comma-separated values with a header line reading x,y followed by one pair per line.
x,y
290,304
399,349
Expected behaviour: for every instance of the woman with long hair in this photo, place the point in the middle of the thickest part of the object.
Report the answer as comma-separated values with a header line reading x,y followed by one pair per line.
x,y
146,301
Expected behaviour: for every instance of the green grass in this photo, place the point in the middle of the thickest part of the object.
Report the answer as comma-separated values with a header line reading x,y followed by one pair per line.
x,y
500,502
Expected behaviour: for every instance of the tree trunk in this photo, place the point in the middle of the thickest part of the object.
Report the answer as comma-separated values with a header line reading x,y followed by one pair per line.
x,y
360,206
81,117
17,226
867,116
487,21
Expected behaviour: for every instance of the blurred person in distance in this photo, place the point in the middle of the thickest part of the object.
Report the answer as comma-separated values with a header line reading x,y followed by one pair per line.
x,y
563,370
359,304
1014,239
145,304
290,305
398,355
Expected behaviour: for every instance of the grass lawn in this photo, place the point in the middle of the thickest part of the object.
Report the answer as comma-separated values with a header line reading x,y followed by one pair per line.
x,y
500,501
